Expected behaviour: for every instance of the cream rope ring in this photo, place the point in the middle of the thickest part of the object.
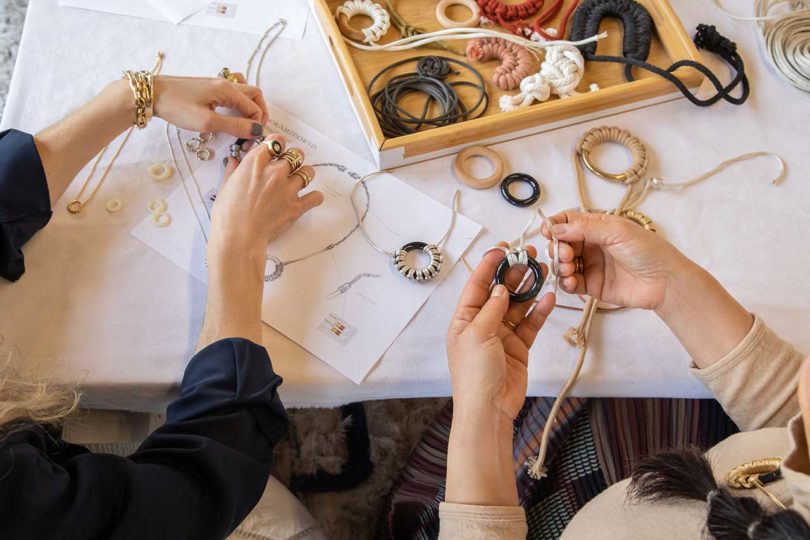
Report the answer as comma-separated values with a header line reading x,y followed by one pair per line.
x,y
161,220
351,8
613,134
160,172
113,206
447,22
156,206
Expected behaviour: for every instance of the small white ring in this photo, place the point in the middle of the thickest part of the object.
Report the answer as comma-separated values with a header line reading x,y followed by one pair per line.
x,y
161,220
113,206
156,206
160,172
447,22
203,154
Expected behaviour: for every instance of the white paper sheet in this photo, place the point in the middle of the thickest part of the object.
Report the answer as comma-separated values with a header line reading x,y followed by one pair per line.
x,y
179,10
251,16
345,305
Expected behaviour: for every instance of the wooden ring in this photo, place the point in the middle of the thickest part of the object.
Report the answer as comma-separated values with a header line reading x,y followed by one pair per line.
x,y
465,177
447,22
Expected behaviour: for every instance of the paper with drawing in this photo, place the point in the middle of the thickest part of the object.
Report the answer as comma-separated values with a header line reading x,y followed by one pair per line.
x,y
326,288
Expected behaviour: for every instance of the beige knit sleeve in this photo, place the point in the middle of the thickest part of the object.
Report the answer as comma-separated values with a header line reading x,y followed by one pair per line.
x,y
756,382
471,522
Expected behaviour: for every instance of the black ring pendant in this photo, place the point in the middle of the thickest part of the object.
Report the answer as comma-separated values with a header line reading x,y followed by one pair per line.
x,y
425,273
534,266
526,179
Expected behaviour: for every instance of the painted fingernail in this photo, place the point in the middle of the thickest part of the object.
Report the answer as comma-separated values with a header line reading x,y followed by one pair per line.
x,y
225,162
499,290
256,129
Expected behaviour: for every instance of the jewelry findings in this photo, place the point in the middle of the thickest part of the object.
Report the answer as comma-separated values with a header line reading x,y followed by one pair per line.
x,y
226,74
195,146
381,20
160,172
303,176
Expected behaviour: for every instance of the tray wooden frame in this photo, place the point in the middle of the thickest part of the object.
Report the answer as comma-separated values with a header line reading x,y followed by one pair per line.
x,y
356,67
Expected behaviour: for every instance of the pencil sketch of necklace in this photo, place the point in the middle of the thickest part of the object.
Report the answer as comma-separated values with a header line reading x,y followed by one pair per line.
x,y
279,265
346,287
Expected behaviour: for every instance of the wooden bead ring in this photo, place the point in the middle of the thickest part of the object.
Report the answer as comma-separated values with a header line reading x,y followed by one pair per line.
x,y
447,22
640,219
425,273
526,179
517,62
534,268
378,28
465,177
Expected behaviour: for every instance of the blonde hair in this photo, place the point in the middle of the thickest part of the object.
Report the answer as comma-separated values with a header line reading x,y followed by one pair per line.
x,y
40,402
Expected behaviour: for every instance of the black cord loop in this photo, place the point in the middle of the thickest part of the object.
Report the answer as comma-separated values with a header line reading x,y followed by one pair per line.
x,y
638,28
429,79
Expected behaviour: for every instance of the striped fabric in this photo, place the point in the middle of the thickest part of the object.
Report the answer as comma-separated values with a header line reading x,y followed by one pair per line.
x,y
594,443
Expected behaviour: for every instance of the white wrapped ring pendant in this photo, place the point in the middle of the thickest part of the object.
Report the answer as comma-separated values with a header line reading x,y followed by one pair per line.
x,y
424,273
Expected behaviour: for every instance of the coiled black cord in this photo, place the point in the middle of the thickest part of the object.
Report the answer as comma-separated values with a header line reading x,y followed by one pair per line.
x,y
429,79
638,28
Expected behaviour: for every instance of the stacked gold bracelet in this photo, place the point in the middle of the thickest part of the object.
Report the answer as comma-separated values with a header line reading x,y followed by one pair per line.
x,y
141,84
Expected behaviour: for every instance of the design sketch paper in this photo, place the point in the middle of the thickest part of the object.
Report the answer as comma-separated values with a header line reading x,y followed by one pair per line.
x,y
250,16
348,304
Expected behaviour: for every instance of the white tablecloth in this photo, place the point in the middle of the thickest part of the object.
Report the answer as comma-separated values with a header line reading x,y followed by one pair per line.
x,y
99,306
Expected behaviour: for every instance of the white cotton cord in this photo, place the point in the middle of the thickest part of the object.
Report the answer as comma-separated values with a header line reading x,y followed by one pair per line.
x,y
784,33
659,184
380,17
560,74
455,34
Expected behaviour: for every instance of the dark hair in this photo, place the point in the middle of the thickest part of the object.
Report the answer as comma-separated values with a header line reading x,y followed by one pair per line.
x,y
685,473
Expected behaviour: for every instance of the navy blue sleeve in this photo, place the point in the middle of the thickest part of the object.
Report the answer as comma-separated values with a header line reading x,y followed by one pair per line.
x,y
196,477
25,205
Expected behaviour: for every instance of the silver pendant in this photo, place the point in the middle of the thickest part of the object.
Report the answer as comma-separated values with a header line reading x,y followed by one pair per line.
x,y
425,273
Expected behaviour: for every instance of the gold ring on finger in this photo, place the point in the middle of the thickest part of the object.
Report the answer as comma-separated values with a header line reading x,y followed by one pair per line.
x,y
225,73
579,265
303,176
274,147
294,157
509,324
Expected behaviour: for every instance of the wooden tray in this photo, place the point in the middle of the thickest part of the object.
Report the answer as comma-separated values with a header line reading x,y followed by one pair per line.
x,y
357,68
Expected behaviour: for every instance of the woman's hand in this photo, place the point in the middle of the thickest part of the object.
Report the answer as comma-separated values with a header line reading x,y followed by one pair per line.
x,y
259,200
488,360
627,265
488,370
190,103
624,264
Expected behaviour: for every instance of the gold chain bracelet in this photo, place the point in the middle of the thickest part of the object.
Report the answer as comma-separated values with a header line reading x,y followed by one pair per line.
x,y
141,84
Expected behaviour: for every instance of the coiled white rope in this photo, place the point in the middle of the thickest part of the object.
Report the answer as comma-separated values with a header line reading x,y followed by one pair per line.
x,y
784,35
560,74
380,17
455,34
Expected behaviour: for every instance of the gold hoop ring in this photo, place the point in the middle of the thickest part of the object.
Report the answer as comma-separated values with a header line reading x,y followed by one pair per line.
x,y
303,176
294,157
579,265
75,206
509,324
586,159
